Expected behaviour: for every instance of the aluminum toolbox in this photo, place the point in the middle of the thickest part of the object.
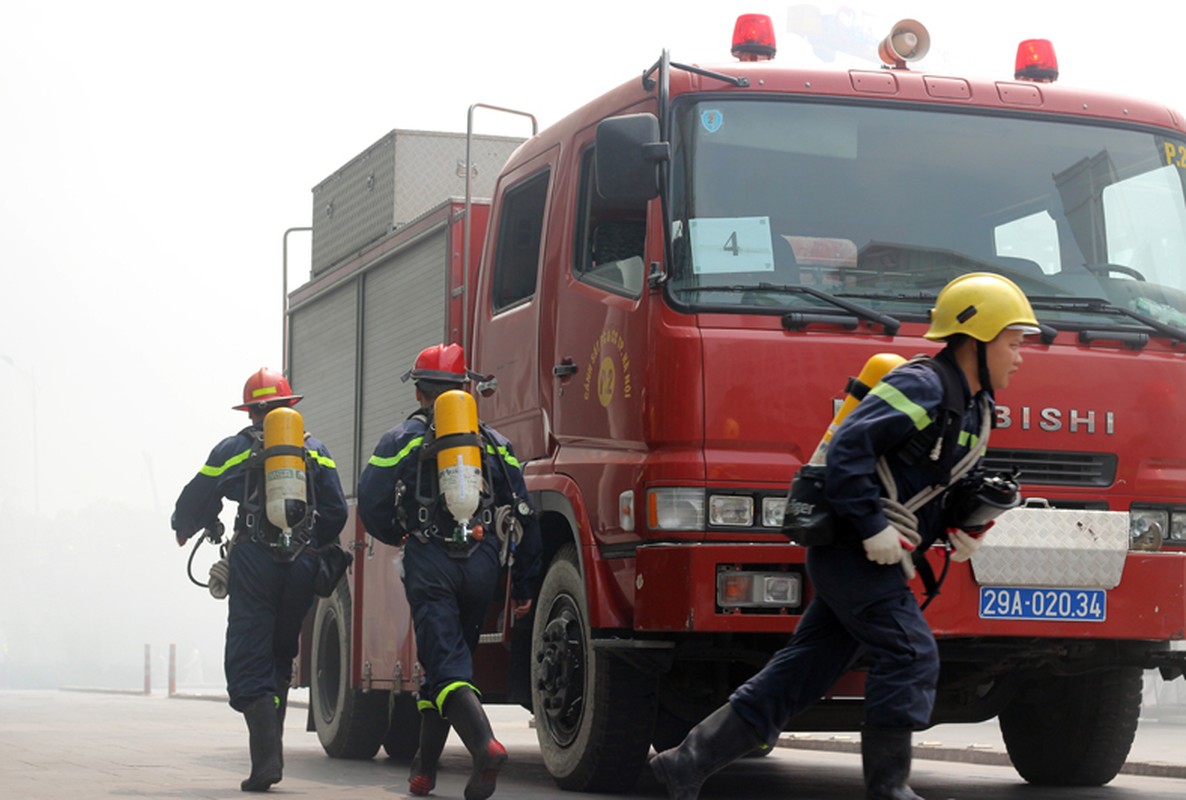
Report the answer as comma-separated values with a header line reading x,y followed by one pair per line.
x,y
394,181
1047,547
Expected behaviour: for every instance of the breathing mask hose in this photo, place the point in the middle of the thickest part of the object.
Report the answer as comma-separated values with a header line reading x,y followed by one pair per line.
x,y
189,566
213,534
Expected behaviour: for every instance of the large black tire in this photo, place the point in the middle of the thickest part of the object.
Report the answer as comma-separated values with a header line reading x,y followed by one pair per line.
x,y
403,734
594,713
1073,730
350,723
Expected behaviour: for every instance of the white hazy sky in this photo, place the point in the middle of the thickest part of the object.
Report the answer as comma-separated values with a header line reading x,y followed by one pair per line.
x,y
153,153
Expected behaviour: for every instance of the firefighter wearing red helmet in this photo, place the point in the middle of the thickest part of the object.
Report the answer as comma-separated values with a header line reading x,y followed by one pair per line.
x,y
451,565
264,390
891,464
441,363
268,574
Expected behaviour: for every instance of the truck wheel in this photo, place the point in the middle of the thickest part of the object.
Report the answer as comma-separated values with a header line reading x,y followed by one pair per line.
x,y
593,712
1073,730
350,723
403,734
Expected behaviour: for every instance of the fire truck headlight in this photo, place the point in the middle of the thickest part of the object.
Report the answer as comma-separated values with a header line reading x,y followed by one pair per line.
x,y
1147,527
1177,527
733,511
773,510
752,589
675,508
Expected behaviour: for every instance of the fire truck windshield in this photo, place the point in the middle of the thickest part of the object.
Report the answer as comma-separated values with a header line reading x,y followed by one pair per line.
x,y
883,206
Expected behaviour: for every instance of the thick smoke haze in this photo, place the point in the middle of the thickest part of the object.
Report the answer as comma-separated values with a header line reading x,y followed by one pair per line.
x,y
84,595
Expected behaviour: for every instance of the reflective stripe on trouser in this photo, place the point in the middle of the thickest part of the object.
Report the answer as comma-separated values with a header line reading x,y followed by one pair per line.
x,y
859,607
267,604
449,598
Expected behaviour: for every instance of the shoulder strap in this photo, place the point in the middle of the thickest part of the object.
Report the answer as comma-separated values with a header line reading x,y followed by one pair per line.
x,y
251,507
951,416
426,496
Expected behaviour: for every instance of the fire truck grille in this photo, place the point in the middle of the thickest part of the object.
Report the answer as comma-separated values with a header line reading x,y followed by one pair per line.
x,y
1054,469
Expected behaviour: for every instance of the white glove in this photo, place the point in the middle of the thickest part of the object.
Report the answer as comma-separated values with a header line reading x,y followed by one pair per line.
x,y
220,579
884,547
963,544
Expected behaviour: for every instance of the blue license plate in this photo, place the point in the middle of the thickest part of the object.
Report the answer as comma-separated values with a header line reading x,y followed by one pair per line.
x,y
1064,605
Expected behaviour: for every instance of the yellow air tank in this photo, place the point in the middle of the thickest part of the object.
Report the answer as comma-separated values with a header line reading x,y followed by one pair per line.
x,y
459,461
874,370
284,468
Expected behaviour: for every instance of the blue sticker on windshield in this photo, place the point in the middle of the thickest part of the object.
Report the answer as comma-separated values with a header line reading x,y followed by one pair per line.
x,y
711,119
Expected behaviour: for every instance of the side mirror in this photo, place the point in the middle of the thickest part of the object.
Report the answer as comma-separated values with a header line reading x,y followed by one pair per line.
x,y
486,385
628,156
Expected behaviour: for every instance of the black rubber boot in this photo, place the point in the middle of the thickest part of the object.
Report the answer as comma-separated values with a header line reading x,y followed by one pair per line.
x,y
265,744
464,711
721,738
885,755
281,710
434,731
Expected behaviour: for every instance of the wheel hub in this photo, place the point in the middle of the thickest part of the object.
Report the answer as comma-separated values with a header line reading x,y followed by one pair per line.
x,y
561,675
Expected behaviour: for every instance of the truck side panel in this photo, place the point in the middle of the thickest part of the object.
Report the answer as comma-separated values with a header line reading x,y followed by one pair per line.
x,y
322,362
403,311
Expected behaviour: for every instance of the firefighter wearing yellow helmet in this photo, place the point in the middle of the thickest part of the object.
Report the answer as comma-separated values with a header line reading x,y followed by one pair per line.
x,y
452,492
982,306
891,463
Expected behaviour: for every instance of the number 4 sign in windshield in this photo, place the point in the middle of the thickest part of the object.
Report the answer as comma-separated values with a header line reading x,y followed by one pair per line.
x,y
731,244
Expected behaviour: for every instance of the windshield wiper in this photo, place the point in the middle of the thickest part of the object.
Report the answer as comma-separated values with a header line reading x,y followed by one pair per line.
x,y
1047,332
1095,305
890,324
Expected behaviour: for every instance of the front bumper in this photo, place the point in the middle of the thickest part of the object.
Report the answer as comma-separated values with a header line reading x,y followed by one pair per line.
x,y
676,593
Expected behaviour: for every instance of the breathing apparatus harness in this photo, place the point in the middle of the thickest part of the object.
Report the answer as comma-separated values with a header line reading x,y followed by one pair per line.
x,y
971,499
963,502
433,519
251,520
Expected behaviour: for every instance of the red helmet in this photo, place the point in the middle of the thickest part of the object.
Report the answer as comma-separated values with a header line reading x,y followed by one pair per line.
x,y
265,389
441,363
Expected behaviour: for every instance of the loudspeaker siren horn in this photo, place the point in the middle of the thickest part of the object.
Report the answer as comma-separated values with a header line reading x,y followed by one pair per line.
x,y
908,41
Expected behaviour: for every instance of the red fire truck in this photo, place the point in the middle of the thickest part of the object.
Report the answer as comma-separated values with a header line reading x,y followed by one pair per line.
x,y
670,287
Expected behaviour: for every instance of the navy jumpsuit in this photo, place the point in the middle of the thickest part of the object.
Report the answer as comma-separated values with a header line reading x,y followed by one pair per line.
x,y
448,596
860,606
267,599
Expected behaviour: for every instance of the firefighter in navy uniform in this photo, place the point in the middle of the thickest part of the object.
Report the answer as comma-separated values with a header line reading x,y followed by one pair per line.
x,y
270,577
862,602
450,568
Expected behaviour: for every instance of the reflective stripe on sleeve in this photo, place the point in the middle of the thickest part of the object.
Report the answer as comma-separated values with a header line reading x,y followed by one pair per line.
x,y
504,454
211,471
391,461
324,461
900,402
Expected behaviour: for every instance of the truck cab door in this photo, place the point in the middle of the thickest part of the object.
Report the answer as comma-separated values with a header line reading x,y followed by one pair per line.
x,y
506,328
598,363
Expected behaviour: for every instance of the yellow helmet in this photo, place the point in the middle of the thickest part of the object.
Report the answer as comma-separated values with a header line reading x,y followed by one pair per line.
x,y
981,305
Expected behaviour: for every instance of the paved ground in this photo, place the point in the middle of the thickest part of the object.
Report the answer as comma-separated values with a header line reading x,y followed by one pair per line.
x,y
85,744
1158,750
